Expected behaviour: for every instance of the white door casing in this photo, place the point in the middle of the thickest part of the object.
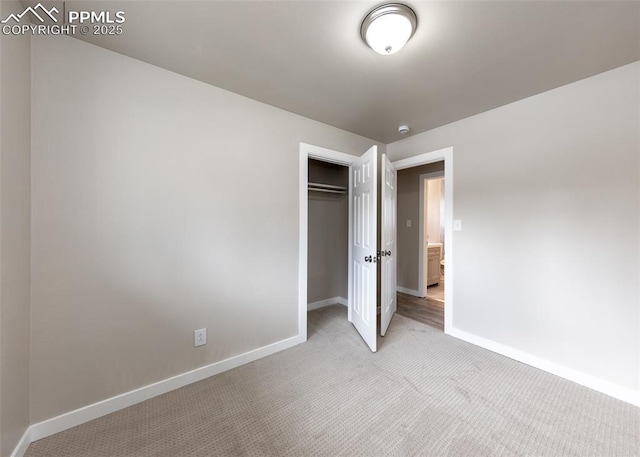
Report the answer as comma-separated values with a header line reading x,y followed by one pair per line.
x,y
388,256
364,239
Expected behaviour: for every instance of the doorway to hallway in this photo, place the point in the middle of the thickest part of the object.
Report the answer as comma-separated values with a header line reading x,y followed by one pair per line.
x,y
425,310
425,244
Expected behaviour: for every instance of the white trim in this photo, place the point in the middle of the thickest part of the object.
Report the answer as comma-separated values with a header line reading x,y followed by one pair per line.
x,y
104,407
303,241
422,286
327,302
21,448
327,155
445,154
404,290
448,240
350,272
309,151
600,385
421,159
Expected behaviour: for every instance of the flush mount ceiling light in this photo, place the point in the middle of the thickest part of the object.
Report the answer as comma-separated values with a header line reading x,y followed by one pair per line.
x,y
388,27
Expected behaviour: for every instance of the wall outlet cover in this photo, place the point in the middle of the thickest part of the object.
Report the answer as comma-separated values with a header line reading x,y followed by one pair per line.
x,y
200,337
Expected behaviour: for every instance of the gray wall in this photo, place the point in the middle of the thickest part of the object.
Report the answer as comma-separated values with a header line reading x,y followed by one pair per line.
x,y
548,191
160,205
327,262
328,250
15,232
409,209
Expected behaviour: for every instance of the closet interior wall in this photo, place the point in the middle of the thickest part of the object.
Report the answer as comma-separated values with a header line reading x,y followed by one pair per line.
x,y
327,267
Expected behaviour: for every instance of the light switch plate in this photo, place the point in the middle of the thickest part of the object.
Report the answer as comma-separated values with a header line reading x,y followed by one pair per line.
x,y
457,225
408,222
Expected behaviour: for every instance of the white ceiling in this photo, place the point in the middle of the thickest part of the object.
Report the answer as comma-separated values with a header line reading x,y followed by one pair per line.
x,y
307,56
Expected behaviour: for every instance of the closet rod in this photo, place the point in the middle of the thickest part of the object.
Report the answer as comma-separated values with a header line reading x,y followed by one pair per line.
x,y
331,191
316,185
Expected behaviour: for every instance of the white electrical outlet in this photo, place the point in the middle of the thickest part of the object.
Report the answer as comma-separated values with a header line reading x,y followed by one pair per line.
x,y
200,337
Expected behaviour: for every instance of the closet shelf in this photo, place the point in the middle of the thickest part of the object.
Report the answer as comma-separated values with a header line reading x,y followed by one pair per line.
x,y
318,187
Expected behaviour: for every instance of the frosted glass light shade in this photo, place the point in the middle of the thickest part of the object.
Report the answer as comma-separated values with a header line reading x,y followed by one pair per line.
x,y
387,28
388,34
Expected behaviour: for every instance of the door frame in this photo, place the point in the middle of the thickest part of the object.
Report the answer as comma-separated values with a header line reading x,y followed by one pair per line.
x,y
309,151
445,154
422,286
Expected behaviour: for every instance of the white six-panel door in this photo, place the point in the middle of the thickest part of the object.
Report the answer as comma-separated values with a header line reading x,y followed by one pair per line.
x,y
364,239
389,244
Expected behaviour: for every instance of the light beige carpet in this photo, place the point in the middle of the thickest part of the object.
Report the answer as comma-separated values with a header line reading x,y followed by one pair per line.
x,y
423,394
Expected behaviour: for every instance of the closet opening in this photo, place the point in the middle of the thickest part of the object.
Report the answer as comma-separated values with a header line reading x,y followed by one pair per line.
x,y
327,234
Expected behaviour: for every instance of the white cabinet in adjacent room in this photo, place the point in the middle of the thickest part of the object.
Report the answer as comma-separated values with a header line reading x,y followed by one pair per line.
x,y
434,254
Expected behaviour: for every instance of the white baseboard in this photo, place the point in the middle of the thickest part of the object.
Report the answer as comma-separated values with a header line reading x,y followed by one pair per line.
x,y
104,407
592,382
404,290
21,448
327,302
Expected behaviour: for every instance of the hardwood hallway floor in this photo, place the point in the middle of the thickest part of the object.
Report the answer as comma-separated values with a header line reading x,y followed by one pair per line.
x,y
425,310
